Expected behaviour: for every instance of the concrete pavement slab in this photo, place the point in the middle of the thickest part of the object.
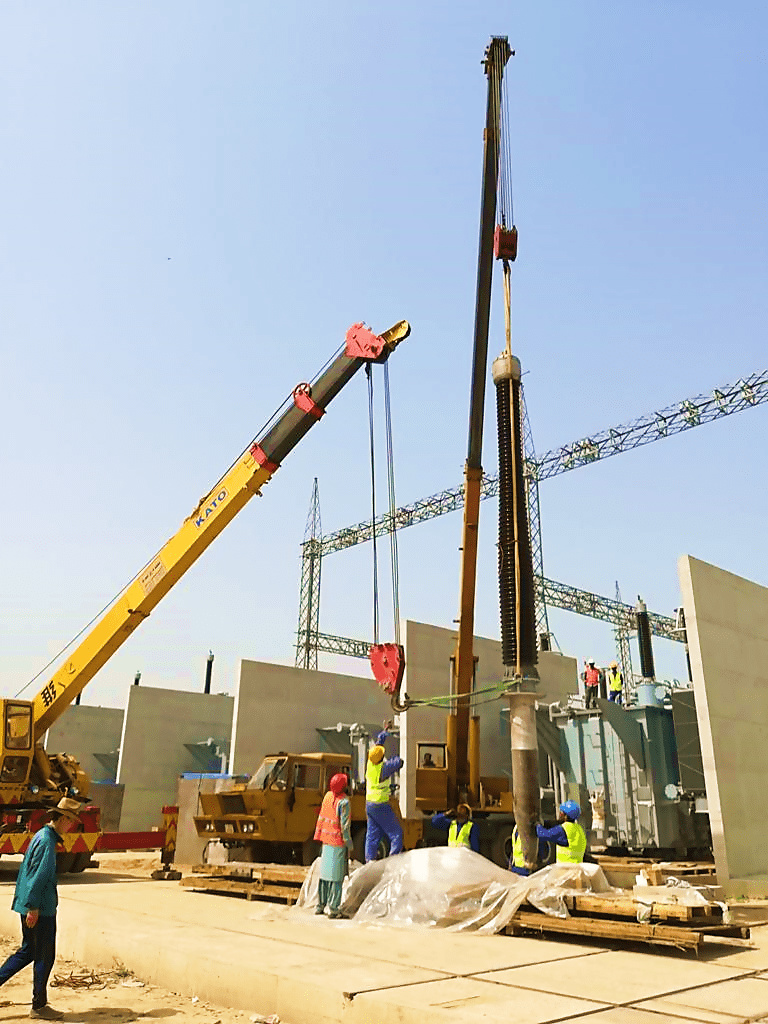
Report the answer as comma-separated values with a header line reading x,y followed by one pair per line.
x,y
615,977
630,1015
744,997
465,1000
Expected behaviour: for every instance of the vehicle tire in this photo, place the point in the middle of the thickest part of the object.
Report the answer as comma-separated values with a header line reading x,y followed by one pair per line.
x,y
501,846
358,842
64,863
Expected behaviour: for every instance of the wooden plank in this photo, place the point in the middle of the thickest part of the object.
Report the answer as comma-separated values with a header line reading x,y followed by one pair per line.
x,y
626,906
244,869
248,889
683,938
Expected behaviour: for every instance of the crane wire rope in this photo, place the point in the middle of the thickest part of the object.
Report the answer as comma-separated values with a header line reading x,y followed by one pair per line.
x,y
123,589
392,507
369,375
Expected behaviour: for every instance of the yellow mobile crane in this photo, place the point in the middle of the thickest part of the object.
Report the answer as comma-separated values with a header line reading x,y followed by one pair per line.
x,y
31,780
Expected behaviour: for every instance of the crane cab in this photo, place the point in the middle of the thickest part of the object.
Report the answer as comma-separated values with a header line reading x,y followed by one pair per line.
x,y
17,749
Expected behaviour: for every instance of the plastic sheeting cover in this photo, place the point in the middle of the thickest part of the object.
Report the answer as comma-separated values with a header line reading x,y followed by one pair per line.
x,y
454,889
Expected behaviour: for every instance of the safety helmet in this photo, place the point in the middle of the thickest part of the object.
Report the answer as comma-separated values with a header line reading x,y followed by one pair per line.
x,y
376,754
591,661
614,664
570,809
465,807
338,783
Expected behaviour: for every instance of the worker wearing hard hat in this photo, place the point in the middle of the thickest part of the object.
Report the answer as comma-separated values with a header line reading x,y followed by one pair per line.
x,y
382,820
615,683
568,835
462,830
334,833
591,677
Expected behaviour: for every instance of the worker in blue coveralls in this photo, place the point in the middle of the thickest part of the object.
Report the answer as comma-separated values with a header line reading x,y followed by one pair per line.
x,y
36,899
462,831
569,836
382,820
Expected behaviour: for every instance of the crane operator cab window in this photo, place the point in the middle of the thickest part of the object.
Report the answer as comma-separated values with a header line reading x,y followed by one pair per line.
x,y
308,776
17,736
272,774
18,726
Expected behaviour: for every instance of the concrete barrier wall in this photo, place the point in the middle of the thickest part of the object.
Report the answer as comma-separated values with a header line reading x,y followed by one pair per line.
x,y
727,623
84,732
157,725
428,656
278,707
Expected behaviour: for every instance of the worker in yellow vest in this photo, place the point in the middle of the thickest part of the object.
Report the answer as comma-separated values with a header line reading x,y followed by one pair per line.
x,y
517,860
569,836
462,830
381,819
615,683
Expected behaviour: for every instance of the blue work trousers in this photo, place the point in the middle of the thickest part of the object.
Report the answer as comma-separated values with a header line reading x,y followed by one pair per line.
x,y
382,820
38,947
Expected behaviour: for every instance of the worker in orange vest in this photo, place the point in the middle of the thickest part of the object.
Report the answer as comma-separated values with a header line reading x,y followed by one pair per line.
x,y
591,677
333,832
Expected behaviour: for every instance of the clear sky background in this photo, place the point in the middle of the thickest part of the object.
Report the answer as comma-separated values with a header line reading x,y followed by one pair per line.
x,y
199,198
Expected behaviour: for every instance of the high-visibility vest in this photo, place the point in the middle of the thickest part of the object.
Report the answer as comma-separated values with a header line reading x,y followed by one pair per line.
x,y
615,681
328,829
591,676
574,852
518,858
376,791
460,836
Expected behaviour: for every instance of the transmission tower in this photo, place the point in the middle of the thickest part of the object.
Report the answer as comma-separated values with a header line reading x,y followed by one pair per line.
x,y
623,650
745,393
309,601
534,522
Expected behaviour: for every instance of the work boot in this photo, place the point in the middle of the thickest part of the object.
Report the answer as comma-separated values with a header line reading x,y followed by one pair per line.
x,y
319,909
46,1012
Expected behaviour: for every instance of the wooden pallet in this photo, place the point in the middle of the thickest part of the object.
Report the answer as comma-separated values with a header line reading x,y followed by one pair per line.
x,y
622,871
624,906
278,881
690,937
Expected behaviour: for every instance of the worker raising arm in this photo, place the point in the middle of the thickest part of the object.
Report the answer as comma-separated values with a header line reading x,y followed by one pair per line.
x,y
462,831
569,836
382,820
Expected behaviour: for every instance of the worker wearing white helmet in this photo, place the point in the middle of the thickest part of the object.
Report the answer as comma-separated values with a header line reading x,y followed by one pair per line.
x,y
615,683
591,677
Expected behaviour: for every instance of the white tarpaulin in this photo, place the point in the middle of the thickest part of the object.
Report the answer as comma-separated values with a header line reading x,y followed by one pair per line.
x,y
454,889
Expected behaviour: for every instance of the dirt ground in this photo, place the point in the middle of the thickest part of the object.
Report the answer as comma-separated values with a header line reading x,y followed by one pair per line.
x,y
109,996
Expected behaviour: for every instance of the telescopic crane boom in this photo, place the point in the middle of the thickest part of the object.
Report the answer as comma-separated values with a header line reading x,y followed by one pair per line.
x,y
463,777
30,778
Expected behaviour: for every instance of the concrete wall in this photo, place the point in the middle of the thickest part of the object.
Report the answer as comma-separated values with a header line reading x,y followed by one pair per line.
x,y
278,707
85,732
428,658
727,622
157,725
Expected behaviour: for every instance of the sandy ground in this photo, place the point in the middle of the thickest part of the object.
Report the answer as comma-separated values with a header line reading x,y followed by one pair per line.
x,y
88,995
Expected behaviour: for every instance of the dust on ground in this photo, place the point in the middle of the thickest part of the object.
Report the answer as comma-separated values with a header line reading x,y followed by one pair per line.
x,y
107,996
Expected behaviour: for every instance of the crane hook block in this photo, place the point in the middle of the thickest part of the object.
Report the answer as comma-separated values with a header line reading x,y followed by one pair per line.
x,y
505,243
362,343
388,666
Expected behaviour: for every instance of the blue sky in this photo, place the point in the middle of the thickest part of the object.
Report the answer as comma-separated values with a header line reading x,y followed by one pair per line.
x,y
199,199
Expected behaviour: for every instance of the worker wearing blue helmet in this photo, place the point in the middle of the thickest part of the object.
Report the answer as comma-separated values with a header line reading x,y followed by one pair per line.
x,y
567,834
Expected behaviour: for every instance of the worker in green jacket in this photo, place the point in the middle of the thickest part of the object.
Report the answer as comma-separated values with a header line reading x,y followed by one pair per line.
x,y
36,899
